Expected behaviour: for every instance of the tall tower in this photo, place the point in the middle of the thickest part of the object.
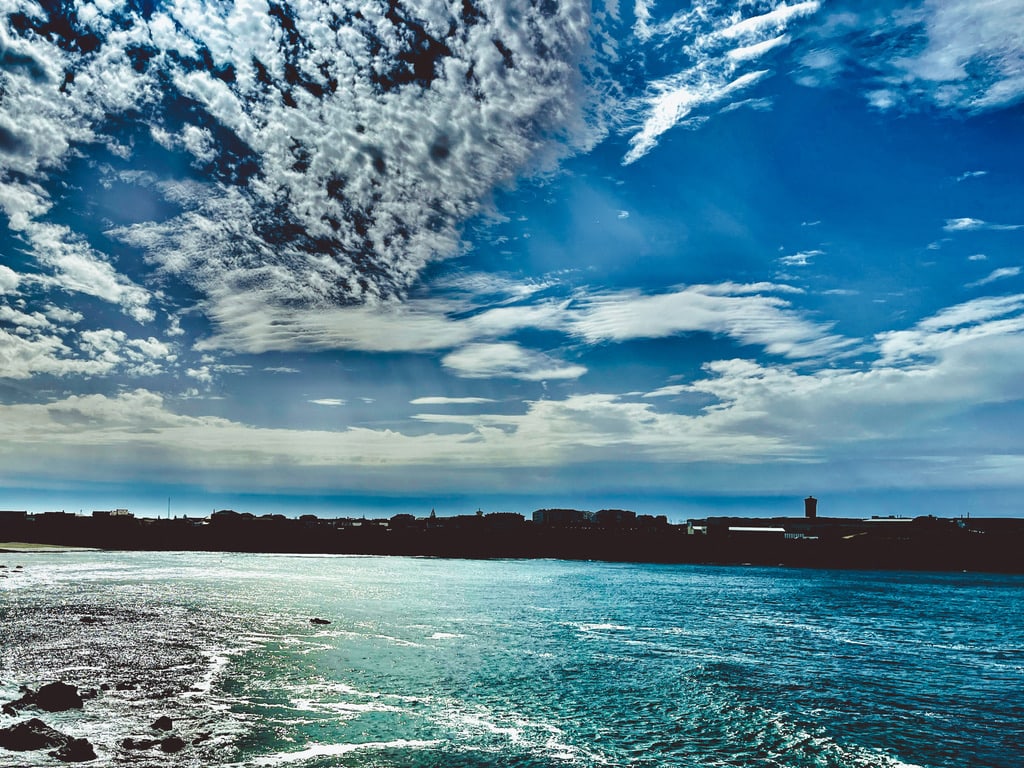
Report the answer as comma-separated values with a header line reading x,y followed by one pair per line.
x,y
810,507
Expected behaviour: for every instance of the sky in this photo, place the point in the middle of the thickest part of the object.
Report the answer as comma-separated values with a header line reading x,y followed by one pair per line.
x,y
370,257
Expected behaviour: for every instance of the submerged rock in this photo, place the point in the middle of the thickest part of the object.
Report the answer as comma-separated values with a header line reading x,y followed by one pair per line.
x,y
130,743
163,723
317,620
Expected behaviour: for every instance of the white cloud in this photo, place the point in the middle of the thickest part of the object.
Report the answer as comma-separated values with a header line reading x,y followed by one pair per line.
x,y
376,161
475,338
977,257
971,175
40,342
23,357
104,344
23,320
63,316
925,380
800,259
953,54
201,374
996,274
332,401
246,323
673,100
757,50
973,56
968,224
508,360
741,312
337,161
440,400
9,280
954,327
721,40
78,268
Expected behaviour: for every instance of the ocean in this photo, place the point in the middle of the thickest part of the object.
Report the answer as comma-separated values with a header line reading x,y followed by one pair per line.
x,y
430,662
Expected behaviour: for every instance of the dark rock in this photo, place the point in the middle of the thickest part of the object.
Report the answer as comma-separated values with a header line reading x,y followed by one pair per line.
x,y
74,751
319,621
52,697
57,697
105,687
124,687
9,709
90,620
204,736
31,734
130,743
172,744
162,723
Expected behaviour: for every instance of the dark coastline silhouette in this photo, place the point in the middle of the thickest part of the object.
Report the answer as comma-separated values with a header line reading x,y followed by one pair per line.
x,y
921,543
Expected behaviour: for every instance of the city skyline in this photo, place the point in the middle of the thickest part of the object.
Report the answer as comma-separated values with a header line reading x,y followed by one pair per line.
x,y
508,255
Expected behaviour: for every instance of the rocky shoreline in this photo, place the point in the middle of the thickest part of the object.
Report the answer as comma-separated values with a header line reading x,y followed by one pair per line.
x,y
33,734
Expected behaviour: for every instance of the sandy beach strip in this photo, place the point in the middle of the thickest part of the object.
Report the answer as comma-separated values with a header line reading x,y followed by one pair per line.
x,y
29,547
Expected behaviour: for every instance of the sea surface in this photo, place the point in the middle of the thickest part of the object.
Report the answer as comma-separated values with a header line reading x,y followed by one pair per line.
x,y
431,662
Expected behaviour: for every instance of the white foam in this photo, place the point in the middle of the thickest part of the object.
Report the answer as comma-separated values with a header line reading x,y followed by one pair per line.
x,y
342,707
603,628
333,750
218,661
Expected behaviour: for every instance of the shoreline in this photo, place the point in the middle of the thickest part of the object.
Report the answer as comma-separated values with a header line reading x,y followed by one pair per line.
x,y
25,547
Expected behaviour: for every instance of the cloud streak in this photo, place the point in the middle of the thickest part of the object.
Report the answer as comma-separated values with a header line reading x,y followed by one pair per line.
x,y
719,45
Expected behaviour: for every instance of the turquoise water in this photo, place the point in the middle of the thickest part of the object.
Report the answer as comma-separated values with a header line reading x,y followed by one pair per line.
x,y
517,663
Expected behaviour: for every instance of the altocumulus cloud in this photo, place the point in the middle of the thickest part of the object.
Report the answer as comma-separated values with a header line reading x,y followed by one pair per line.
x,y
312,154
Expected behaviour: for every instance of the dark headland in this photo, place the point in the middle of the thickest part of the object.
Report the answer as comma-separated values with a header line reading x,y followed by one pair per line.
x,y
898,543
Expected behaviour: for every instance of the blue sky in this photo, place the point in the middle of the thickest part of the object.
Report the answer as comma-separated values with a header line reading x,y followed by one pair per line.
x,y
372,257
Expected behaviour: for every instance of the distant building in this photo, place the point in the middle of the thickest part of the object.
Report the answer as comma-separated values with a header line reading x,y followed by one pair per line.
x,y
54,517
230,517
504,520
121,514
810,507
560,517
758,531
615,518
